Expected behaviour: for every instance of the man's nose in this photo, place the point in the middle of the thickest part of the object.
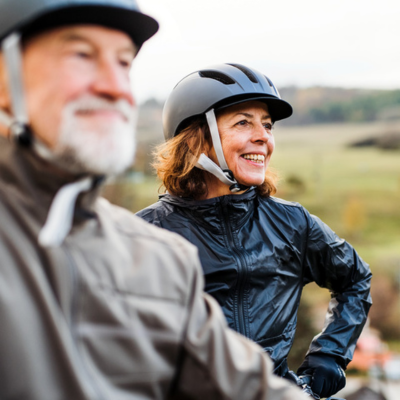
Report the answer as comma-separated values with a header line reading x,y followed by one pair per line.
x,y
112,81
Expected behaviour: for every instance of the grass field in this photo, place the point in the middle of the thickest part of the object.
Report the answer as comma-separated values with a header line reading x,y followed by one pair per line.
x,y
356,191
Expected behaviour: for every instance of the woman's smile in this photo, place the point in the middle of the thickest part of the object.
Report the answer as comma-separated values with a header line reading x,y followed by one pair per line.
x,y
247,142
257,159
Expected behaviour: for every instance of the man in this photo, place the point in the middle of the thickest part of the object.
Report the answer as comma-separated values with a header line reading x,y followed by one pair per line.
x,y
94,302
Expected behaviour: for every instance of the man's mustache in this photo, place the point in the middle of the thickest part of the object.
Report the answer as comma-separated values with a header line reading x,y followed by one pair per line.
x,y
90,103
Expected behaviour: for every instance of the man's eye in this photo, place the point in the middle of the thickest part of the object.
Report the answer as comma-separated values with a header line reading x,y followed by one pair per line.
x,y
82,54
268,126
125,63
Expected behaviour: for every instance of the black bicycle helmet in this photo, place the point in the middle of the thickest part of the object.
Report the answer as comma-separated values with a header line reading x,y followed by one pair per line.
x,y
25,16
209,89
216,87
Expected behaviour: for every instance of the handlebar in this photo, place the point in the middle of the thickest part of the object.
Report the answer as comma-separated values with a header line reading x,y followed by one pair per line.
x,y
304,382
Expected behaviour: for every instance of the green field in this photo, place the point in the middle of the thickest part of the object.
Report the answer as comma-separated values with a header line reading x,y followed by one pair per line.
x,y
356,191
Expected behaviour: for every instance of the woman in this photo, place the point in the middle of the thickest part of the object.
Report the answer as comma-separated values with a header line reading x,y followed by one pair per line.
x,y
257,251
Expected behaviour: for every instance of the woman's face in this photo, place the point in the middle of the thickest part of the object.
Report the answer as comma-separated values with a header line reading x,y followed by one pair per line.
x,y
247,142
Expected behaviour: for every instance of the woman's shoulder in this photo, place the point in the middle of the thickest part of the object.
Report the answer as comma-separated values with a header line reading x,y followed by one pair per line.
x,y
155,211
284,208
164,209
278,203
297,214
283,203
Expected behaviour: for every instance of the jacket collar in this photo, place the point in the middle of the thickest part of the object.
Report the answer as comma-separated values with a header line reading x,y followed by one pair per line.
x,y
234,209
34,182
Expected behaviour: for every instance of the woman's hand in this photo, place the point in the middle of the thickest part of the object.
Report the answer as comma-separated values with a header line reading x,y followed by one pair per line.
x,y
328,376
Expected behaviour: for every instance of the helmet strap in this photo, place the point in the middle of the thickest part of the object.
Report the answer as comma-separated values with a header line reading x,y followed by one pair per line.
x,y
61,212
18,123
216,139
207,164
221,171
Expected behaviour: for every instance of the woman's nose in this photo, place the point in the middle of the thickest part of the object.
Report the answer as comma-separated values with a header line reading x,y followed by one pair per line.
x,y
261,133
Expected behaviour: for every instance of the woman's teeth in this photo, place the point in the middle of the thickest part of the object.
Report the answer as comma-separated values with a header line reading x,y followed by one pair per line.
x,y
259,158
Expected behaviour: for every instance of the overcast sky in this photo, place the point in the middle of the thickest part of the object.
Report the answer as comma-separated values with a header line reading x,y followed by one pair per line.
x,y
348,43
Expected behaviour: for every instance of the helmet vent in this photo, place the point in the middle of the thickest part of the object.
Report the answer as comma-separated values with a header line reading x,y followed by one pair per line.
x,y
246,71
218,76
270,83
273,86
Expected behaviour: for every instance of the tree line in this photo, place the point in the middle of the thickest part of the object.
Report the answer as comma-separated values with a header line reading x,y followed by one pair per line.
x,y
319,105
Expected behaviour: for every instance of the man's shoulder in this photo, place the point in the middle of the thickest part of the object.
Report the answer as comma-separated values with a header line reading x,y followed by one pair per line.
x,y
128,221
165,256
134,227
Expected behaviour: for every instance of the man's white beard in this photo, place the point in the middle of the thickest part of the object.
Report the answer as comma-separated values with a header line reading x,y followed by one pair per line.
x,y
108,149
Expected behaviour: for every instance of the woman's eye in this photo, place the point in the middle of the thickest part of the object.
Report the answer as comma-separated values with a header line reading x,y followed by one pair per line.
x,y
268,126
242,123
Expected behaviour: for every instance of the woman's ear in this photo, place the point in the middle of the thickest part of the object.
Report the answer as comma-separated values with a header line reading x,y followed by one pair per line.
x,y
206,148
195,146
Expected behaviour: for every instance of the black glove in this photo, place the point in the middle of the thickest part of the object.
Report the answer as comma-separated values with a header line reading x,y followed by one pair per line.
x,y
328,376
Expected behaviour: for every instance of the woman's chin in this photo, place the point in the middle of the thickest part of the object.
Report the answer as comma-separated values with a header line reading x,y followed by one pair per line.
x,y
251,181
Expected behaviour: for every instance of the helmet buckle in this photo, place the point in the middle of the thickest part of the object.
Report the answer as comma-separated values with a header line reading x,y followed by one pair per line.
x,y
235,188
21,134
229,174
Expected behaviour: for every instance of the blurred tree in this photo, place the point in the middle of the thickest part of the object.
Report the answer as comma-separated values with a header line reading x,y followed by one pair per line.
x,y
354,217
330,105
385,312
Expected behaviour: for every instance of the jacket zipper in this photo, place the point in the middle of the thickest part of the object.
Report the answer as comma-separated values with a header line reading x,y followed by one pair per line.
x,y
242,275
73,317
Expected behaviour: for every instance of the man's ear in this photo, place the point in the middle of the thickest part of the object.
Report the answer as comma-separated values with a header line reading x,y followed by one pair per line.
x,y
4,97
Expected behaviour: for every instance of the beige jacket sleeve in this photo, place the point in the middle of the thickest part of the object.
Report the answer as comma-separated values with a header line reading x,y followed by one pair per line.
x,y
218,363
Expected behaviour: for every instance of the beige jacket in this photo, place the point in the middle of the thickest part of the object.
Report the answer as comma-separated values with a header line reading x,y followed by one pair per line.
x,y
116,312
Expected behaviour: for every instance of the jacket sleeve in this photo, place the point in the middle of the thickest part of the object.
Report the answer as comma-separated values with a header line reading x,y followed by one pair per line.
x,y
218,363
333,263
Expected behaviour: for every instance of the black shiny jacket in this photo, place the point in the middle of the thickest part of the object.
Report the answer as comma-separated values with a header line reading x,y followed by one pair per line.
x,y
257,254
